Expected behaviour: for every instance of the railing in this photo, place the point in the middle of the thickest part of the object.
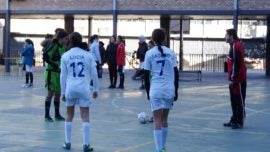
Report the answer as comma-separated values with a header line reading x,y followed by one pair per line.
x,y
206,62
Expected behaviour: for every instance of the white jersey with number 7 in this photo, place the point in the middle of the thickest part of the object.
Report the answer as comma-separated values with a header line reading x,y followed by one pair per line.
x,y
78,68
162,72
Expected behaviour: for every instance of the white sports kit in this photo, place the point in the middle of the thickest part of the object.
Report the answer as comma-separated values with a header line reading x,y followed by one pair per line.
x,y
162,89
78,68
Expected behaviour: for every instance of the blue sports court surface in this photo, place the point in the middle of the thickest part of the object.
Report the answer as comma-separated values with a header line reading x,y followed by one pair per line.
x,y
195,123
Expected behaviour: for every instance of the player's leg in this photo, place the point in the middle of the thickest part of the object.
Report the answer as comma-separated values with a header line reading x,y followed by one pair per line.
x,y
29,75
122,77
164,127
86,129
68,126
157,116
48,100
243,92
233,107
110,75
57,97
114,68
238,106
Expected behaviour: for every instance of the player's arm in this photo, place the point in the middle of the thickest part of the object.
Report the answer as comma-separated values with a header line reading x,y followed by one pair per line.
x,y
63,78
147,82
94,77
236,62
46,57
176,76
176,82
147,69
97,52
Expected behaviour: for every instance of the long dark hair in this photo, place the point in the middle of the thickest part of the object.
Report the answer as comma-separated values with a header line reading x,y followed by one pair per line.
x,y
75,39
158,36
121,38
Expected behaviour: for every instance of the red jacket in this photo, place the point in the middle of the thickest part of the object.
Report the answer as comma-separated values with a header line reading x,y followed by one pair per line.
x,y
237,71
121,54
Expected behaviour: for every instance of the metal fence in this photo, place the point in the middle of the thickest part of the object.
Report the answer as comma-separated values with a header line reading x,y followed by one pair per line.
x,y
206,62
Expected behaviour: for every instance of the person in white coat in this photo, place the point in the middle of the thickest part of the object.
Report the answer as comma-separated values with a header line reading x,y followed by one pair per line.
x,y
78,68
94,50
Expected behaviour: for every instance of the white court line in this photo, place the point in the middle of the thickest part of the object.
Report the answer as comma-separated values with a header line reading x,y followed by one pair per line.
x,y
257,111
215,130
126,110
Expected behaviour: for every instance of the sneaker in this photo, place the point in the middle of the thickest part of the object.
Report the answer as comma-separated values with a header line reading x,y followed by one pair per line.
x,y
48,119
142,87
236,126
151,119
110,87
87,148
163,150
120,87
229,124
59,118
30,85
67,146
25,85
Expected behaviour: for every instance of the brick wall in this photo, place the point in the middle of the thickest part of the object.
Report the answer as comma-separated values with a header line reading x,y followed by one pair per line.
x,y
175,4
61,5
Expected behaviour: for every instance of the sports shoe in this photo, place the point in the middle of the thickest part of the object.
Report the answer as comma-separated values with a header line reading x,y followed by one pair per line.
x,y
48,119
25,85
87,148
120,87
59,118
111,87
151,119
236,126
67,146
142,87
30,85
163,150
228,124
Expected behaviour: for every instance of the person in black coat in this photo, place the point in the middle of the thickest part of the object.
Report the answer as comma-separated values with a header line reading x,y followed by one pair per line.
x,y
110,57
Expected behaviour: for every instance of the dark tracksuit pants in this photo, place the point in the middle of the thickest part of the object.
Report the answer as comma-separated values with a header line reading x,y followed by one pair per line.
x,y
238,95
113,74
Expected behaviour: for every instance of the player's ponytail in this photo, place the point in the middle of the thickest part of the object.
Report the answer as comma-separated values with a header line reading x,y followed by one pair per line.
x,y
158,36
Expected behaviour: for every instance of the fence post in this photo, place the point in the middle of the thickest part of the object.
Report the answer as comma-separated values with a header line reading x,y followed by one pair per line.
x,y
7,37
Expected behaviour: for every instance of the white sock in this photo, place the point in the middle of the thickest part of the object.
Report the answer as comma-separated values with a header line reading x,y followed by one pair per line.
x,y
86,133
68,128
158,139
164,136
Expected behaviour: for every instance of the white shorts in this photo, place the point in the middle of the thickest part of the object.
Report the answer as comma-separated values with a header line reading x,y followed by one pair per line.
x,y
81,102
161,103
28,68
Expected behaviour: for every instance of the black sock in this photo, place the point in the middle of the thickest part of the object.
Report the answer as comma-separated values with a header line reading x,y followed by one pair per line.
x,y
31,77
27,77
47,106
57,107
